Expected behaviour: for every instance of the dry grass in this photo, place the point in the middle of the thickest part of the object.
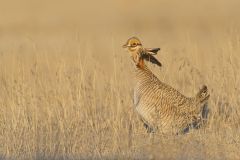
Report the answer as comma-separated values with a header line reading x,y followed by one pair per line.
x,y
66,90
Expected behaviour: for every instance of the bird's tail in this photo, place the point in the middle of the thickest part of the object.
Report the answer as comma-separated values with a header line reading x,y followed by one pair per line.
x,y
202,107
202,96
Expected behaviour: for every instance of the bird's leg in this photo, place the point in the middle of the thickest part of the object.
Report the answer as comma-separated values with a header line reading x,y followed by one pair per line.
x,y
130,136
151,135
148,128
151,145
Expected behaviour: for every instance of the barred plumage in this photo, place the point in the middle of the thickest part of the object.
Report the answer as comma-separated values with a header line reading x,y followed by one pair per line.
x,y
159,105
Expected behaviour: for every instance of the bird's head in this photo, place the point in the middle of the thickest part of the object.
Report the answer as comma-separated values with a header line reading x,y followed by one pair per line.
x,y
138,53
133,44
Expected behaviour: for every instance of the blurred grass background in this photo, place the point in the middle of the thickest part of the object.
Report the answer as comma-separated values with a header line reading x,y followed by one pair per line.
x,y
66,84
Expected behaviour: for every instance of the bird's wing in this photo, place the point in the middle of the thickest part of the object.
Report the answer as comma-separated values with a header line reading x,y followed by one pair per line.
x,y
151,58
152,51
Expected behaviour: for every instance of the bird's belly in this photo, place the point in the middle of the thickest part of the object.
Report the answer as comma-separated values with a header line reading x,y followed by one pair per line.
x,y
146,112
165,122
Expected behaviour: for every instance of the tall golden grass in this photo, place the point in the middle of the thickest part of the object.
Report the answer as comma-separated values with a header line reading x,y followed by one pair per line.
x,y
66,84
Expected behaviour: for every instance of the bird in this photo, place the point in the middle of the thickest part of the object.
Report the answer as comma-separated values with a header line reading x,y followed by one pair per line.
x,y
160,106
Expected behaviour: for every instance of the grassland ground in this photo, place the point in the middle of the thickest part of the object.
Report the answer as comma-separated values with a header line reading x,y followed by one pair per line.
x,y
66,90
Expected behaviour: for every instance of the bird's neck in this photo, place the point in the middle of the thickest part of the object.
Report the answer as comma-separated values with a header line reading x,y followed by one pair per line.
x,y
142,72
141,64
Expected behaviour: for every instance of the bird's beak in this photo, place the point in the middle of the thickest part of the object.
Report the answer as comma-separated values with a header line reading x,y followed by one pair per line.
x,y
125,46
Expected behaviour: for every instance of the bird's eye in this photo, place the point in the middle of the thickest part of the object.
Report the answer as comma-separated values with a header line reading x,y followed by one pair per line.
x,y
134,44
